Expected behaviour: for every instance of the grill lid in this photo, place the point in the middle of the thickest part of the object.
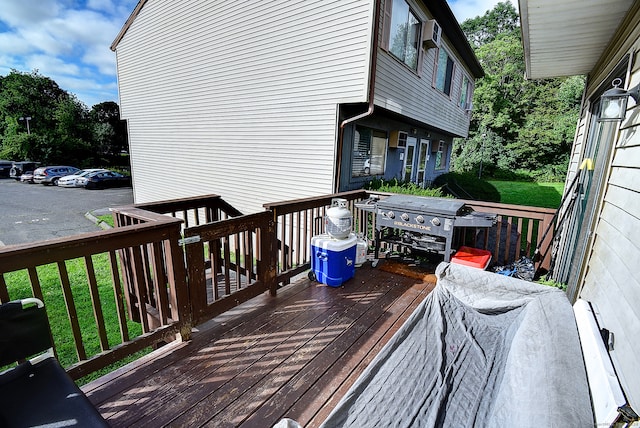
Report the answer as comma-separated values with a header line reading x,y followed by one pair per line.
x,y
422,204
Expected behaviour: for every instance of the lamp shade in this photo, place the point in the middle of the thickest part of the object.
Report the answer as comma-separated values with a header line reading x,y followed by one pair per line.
x,y
613,104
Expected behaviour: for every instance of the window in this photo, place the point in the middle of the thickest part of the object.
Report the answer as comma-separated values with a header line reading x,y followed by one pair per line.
x,y
369,152
444,71
441,156
466,93
404,34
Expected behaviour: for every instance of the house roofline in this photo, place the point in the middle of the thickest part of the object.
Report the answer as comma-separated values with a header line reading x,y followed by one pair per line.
x,y
127,24
449,24
440,10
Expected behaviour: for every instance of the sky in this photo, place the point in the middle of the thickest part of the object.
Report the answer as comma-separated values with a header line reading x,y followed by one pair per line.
x,y
68,40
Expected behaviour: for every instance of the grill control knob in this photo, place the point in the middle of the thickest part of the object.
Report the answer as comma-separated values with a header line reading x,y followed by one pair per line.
x,y
405,216
420,219
435,221
391,214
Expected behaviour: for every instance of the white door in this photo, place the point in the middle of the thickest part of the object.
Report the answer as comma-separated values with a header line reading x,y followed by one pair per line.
x,y
423,157
409,160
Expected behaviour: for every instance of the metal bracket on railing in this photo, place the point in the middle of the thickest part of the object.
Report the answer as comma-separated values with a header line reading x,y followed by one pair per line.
x,y
189,240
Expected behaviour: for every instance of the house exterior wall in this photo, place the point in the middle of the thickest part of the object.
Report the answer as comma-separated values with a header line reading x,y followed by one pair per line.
x,y
608,275
413,94
407,100
240,98
395,155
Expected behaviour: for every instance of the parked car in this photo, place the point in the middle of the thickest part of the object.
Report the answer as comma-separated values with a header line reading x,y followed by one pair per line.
x,y
51,174
72,180
19,168
5,168
104,179
27,177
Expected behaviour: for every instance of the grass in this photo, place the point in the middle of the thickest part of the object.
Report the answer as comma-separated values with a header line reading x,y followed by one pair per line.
x,y
529,193
545,195
19,287
107,218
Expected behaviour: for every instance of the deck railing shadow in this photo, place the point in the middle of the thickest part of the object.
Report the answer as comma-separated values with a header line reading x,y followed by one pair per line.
x,y
176,264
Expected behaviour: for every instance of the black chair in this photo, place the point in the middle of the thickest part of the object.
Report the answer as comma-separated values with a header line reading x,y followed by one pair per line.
x,y
37,392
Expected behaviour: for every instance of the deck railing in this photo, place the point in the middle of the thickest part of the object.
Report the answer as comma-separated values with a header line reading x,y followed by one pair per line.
x,y
229,256
102,291
175,264
517,232
297,221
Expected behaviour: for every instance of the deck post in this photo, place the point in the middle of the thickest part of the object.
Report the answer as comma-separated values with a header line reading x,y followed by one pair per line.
x,y
177,275
548,241
269,250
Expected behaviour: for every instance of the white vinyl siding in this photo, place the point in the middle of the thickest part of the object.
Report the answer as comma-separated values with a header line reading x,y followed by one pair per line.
x,y
240,98
400,90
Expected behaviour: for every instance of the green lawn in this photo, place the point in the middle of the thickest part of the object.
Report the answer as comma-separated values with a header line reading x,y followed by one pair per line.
x,y
19,287
546,195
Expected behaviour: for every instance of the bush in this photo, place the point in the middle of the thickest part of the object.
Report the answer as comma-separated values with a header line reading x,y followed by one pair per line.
x,y
403,187
552,283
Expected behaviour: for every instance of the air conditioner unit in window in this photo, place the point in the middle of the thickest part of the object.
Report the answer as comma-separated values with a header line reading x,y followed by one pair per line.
x,y
397,139
431,34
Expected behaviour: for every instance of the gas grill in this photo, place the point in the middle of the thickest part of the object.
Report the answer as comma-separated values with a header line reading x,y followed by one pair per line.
x,y
423,223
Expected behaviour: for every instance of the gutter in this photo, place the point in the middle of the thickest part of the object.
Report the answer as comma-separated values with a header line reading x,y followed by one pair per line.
x,y
372,81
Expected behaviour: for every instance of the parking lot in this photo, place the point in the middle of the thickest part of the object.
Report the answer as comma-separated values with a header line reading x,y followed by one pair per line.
x,y
33,212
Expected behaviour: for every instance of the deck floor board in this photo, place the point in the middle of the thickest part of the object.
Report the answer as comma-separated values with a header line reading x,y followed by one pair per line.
x,y
294,355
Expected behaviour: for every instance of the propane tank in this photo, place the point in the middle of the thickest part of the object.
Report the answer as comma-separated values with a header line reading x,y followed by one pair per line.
x,y
361,250
338,221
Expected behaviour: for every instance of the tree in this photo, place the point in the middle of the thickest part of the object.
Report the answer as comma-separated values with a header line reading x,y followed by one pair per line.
x,y
526,125
502,19
61,128
109,131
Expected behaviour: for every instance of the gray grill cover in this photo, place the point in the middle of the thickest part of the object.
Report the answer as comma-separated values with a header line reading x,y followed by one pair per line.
x,y
482,350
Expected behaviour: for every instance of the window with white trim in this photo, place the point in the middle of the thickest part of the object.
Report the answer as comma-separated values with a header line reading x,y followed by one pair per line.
x,y
404,33
466,93
369,152
444,71
441,156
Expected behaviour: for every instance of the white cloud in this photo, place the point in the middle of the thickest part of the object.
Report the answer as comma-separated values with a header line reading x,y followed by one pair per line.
x,y
12,44
102,5
66,41
50,65
19,13
103,58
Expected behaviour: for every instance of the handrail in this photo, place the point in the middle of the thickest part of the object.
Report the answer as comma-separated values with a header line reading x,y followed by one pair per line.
x,y
166,272
221,247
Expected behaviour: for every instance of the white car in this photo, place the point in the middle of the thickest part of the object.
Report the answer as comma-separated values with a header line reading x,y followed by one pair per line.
x,y
72,180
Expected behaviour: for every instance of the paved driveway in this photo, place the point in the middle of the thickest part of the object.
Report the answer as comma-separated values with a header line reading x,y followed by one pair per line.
x,y
33,212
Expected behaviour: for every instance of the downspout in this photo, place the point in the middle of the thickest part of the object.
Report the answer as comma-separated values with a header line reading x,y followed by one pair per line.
x,y
372,81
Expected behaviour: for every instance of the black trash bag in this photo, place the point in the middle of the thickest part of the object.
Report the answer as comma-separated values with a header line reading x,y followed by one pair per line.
x,y
522,269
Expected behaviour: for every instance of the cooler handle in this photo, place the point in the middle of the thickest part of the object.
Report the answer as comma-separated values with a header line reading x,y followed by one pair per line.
x,y
322,256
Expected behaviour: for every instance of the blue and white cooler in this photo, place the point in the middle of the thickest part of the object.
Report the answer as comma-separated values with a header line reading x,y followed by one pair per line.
x,y
333,261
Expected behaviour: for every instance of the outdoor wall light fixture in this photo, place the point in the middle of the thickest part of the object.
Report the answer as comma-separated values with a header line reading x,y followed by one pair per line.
x,y
613,103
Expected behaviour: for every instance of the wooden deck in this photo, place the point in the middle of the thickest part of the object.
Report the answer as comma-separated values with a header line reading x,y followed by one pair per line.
x,y
293,356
